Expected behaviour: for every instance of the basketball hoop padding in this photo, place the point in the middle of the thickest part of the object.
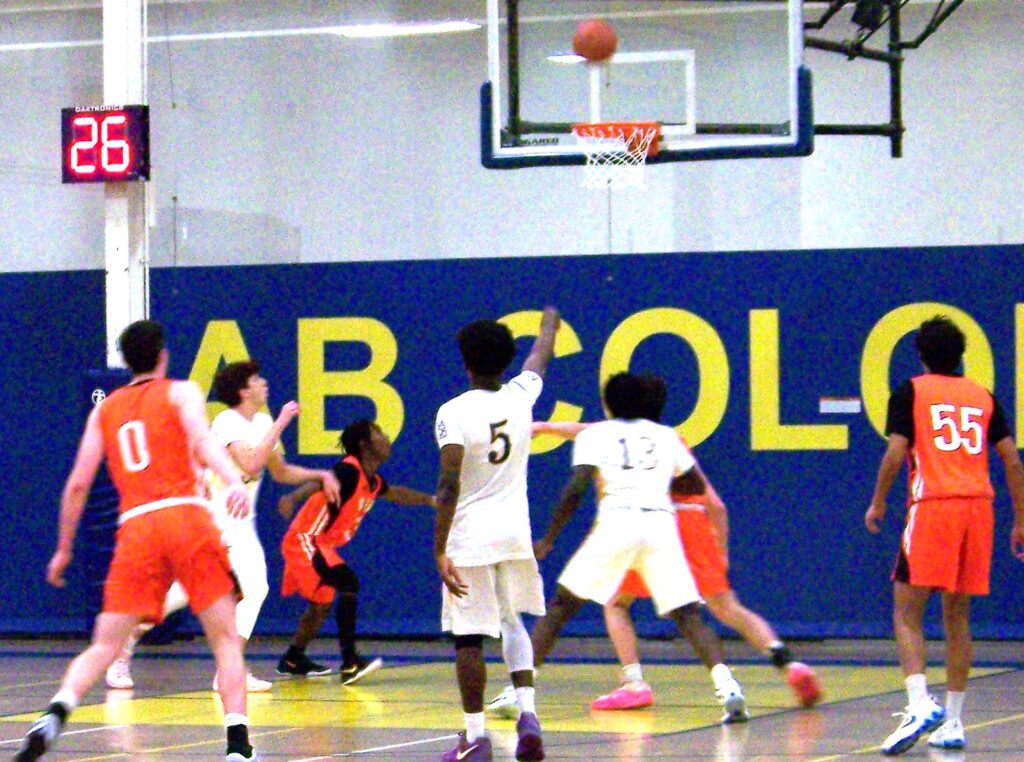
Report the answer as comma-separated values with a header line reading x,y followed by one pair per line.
x,y
616,152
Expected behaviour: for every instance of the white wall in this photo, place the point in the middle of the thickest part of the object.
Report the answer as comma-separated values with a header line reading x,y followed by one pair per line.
x,y
389,164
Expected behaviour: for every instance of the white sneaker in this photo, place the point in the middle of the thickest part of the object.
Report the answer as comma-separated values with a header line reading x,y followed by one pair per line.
x,y
505,704
730,696
119,674
950,735
917,719
252,684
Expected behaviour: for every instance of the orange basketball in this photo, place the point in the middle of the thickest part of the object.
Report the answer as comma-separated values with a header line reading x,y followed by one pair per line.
x,y
594,40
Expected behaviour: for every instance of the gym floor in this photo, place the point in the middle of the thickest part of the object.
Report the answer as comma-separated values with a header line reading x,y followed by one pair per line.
x,y
410,711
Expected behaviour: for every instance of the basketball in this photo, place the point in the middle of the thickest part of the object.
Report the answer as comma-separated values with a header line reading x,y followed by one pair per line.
x,y
595,40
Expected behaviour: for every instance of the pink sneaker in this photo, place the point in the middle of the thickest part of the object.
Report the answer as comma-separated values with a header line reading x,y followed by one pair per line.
x,y
626,696
804,683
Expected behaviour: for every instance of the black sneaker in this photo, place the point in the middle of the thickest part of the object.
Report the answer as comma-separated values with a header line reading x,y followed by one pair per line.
x,y
301,666
360,668
39,739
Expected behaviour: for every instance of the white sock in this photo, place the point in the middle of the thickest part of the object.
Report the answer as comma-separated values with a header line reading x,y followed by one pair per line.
x,y
475,727
632,673
720,676
917,688
235,718
954,704
527,700
65,697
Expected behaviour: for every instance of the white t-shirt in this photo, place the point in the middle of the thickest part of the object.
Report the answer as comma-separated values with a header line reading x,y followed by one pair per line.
x,y
636,462
492,518
231,426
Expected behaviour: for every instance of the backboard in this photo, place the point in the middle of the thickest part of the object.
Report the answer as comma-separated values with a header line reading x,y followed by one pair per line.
x,y
725,78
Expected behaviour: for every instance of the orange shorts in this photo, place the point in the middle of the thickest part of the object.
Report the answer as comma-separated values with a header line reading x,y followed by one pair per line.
x,y
703,554
947,544
155,549
300,574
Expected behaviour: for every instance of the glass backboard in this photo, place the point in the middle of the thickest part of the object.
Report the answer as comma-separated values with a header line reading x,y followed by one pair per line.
x,y
725,78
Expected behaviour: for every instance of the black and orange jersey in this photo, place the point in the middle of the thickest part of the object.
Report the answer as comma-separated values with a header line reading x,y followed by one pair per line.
x,y
949,421
146,447
325,526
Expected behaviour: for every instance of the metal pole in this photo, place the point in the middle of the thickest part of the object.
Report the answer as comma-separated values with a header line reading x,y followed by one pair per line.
x,y
125,233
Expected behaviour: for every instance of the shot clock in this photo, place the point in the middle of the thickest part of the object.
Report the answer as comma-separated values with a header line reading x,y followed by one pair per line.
x,y
104,144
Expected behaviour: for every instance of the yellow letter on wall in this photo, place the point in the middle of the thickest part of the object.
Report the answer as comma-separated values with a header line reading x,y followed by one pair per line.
x,y
712,362
766,432
527,323
221,341
879,346
316,383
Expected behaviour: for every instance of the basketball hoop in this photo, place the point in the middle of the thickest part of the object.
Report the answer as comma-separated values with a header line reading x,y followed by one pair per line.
x,y
616,152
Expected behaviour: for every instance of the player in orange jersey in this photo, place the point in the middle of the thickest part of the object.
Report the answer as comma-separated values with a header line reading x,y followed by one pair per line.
x,y
703,525
155,438
312,566
942,423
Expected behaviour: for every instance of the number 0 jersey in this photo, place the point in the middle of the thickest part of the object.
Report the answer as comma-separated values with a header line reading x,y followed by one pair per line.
x,y
949,422
492,518
147,450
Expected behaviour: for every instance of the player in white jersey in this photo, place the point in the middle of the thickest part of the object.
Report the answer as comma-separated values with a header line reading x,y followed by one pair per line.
x,y
482,541
634,462
253,439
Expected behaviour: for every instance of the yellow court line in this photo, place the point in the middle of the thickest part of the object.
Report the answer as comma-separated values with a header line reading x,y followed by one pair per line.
x,y
179,747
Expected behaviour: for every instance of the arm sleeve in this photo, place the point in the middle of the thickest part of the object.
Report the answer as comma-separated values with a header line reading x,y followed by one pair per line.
x,y
900,418
348,478
998,425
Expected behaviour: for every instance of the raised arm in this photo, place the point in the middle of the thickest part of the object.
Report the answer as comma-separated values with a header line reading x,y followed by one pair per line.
x,y
447,497
572,496
253,458
892,460
1007,450
544,345
72,501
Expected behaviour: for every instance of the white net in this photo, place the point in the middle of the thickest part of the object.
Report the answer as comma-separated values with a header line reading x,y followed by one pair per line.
x,y
616,153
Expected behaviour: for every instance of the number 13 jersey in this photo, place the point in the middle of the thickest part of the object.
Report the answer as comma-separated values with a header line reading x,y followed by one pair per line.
x,y
492,517
949,421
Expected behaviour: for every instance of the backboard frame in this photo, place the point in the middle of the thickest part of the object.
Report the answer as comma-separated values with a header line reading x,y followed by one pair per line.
x,y
499,151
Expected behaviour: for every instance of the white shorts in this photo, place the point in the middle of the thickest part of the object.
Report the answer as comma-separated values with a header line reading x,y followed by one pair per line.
x,y
624,539
505,588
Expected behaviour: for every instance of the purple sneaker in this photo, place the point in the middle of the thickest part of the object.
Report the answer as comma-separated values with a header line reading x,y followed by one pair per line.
x,y
478,751
530,748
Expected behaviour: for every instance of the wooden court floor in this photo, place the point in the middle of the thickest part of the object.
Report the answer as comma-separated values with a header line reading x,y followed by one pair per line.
x,y
409,710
